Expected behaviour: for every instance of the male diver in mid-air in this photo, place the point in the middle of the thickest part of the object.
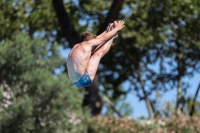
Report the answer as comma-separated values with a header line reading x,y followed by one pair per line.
x,y
83,59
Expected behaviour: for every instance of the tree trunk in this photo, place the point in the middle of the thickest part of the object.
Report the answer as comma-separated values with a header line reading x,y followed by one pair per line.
x,y
67,28
92,98
194,100
112,14
179,76
148,103
179,91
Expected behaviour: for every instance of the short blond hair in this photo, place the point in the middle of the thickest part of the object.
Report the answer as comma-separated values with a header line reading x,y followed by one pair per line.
x,y
86,36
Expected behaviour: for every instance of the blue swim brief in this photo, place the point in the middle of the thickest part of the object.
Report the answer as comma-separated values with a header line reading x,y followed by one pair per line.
x,y
84,81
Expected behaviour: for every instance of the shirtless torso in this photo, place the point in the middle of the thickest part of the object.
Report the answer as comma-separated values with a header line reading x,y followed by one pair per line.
x,y
77,62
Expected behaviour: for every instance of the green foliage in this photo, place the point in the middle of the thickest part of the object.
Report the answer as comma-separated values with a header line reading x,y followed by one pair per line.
x,y
20,55
165,33
94,14
34,99
156,50
26,15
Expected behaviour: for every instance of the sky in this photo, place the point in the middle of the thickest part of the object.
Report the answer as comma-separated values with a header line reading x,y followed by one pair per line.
x,y
139,107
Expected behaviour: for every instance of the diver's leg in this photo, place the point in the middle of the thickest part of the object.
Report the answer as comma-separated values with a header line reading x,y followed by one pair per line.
x,y
96,57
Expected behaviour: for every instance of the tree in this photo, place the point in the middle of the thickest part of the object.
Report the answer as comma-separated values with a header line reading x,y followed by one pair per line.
x,y
30,16
179,51
34,97
92,98
38,19
164,34
192,110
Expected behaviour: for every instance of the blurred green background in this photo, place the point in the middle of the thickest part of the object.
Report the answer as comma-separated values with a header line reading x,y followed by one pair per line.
x,y
158,51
